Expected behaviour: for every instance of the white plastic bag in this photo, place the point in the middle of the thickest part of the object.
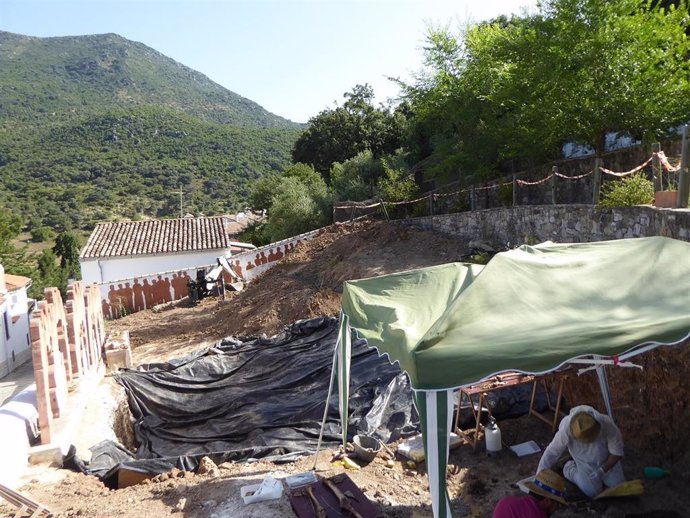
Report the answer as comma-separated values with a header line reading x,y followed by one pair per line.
x,y
269,489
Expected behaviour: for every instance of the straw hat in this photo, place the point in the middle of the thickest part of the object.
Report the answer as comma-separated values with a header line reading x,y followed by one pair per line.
x,y
584,427
548,484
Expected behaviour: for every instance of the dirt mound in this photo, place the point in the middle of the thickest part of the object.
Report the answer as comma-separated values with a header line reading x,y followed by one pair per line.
x,y
308,282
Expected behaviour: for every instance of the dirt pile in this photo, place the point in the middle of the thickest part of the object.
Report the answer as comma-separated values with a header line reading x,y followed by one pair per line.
x,y
307,283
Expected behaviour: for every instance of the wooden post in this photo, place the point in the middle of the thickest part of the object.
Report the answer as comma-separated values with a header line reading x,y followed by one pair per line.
x,y
473,202
554,170
383,206
656,167
514,189
597,180
684,174
431,205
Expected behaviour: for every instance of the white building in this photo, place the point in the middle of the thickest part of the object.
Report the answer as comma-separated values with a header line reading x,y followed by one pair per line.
x,y
139,264
129,249
15,340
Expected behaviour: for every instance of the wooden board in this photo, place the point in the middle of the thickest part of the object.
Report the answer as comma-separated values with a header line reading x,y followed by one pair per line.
x,y
303,508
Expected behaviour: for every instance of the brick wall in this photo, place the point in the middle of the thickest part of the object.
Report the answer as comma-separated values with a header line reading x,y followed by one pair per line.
x,y
66,342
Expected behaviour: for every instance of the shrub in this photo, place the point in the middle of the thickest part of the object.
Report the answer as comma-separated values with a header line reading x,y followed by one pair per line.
x,y
633,190
40,234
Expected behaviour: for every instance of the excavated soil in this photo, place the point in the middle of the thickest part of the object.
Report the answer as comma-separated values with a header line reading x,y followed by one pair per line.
x,y
651,405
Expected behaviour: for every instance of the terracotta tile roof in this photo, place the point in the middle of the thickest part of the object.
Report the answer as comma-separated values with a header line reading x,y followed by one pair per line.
x,y
14,282
158,236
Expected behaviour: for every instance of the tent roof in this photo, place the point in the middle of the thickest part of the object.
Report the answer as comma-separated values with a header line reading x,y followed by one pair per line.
x,y
530,309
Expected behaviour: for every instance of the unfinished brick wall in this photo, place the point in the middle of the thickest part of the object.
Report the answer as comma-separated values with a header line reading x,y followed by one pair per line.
x,y
65,344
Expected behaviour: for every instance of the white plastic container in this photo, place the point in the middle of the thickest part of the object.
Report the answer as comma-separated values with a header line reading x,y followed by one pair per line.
x,y
492,435
269,489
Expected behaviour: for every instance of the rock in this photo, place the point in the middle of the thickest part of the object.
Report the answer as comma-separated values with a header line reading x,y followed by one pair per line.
x,y
482,246
207,467
186,474
179,506
226,465
390,463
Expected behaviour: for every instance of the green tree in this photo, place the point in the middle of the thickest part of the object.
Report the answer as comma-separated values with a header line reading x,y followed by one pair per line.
x,y
355,179
518,88
396,183
293,212
67,249
297,200
338,134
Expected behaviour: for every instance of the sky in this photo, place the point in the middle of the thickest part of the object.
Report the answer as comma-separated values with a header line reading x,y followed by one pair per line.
x,y
294,58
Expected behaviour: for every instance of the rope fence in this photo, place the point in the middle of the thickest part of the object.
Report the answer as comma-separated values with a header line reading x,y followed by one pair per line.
x,y
496,193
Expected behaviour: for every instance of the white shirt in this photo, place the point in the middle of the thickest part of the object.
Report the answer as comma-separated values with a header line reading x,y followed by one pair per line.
x,y
588,456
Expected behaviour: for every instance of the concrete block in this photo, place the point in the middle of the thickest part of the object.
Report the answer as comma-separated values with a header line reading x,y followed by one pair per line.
x,y
118,359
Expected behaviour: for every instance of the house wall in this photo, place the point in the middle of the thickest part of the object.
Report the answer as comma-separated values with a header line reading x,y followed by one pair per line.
x,y
117,268
15,344
4,365
19,342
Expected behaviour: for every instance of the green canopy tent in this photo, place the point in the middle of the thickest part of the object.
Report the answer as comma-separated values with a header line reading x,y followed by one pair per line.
x,y
532,309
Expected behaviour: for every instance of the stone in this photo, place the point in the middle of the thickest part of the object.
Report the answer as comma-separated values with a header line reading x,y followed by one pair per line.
x,y
207,467
180,505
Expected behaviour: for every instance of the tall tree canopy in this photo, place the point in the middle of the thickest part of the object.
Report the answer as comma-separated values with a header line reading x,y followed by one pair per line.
x,y
336,135
521,87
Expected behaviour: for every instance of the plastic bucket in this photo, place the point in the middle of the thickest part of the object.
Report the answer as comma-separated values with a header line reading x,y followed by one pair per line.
x,y
366,447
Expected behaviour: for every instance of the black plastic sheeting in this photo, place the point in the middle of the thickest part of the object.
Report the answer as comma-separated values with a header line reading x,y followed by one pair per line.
x,y
258,397
252,397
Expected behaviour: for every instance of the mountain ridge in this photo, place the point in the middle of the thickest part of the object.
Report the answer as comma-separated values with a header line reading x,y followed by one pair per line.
x,y
128,69
96,128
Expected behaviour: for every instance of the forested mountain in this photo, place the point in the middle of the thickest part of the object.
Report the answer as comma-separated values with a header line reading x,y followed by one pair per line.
x,y
93,127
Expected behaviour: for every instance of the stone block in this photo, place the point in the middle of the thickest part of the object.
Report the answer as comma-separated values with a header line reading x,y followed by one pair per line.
x,y
118,358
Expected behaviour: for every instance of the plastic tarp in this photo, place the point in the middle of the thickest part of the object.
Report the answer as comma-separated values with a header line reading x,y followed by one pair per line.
x,y
530,309
259,397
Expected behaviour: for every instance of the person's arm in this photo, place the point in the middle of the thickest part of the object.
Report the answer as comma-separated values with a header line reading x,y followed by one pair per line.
x,y
610,462
554,450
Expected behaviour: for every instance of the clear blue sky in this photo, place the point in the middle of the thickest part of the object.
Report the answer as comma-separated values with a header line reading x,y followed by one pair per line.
x,y
294,58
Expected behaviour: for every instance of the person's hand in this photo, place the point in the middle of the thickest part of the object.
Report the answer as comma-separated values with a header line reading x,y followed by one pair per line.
x,y
596,476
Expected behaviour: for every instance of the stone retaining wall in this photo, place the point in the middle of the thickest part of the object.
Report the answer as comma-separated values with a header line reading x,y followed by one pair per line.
x,y
513,226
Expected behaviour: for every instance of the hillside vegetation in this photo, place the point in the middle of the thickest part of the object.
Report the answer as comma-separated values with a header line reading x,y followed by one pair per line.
x,y
100,127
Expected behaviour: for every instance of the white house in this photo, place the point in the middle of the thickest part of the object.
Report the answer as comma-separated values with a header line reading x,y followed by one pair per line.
x,y
142,263
15,341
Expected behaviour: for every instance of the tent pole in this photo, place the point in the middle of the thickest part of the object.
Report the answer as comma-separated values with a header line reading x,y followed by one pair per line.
x,y
604,384
325,411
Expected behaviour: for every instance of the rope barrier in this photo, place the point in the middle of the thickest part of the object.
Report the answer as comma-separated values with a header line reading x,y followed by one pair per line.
x,y
574,177
538,182
627,173
666,164
661,155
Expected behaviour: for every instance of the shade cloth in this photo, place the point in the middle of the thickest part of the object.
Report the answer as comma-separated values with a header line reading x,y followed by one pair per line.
x,y
531,309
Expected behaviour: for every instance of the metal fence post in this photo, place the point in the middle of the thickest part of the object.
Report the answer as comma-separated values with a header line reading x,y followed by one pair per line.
x,y
554,172
597,180
683,174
